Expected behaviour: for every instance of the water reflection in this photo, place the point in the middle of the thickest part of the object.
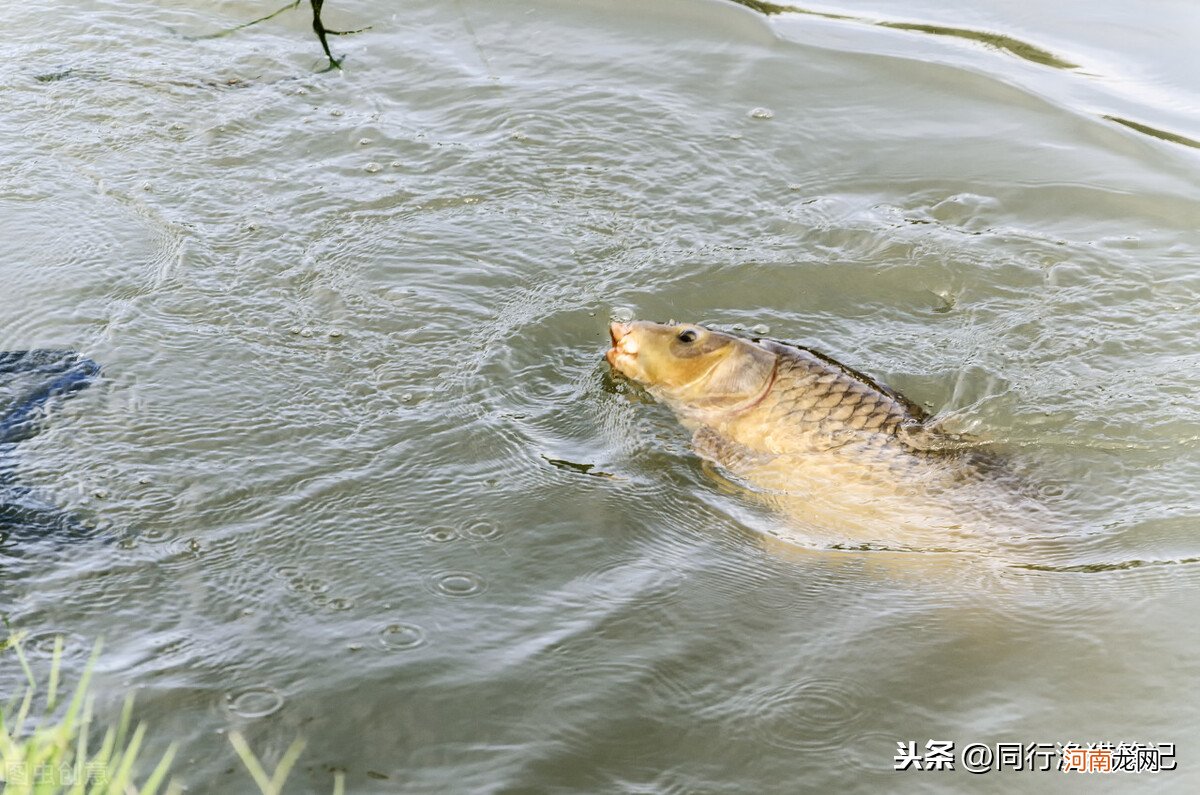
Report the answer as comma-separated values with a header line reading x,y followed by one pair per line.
x,y
997,41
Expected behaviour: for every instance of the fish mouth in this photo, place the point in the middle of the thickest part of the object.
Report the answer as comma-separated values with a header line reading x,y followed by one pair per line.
x,y
623,354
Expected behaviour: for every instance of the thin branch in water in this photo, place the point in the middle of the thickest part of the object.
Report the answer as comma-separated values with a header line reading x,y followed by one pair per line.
x,y
322,32
318,27
236,28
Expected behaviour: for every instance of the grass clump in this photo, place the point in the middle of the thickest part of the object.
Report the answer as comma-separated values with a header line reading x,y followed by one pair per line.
x,y
49,754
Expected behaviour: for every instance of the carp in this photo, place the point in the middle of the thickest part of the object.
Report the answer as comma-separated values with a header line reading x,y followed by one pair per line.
x,y
846,458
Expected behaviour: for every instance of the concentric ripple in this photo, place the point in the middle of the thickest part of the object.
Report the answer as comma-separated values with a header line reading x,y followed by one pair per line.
x,y
258,701
458,584
401,636
808,715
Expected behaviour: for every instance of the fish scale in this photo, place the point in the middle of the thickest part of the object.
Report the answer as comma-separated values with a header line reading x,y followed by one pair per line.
x,y
815,401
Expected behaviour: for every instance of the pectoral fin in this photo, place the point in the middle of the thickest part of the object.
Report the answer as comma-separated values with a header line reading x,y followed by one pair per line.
x,y
734,456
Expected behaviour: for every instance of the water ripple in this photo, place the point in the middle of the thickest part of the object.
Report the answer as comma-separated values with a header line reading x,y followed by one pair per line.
x,y
254,702
401,637
458,584
813,715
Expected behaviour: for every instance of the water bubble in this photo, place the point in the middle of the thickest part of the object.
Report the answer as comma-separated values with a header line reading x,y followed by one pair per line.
x,y
372,168
621,314
407,397
337,112
396,164
340,603
760,329
287,572
155,535
761,113
364,141
483,529
100,494
400,637
519,136
440,535
335,332
458,583
313,585
306,332
254,702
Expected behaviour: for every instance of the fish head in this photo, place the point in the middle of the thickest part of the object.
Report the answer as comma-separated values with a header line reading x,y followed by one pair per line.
x,y
689,366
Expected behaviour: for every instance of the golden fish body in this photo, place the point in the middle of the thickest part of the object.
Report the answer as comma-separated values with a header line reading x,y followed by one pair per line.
x,y
845,457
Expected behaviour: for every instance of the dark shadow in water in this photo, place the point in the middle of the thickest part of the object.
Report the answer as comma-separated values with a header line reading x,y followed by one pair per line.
x,y
997,41
1154,132
583,469
54,77
1097,568
776,8
34,379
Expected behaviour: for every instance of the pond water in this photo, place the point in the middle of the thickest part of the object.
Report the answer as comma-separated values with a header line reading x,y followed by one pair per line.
x,y
374,486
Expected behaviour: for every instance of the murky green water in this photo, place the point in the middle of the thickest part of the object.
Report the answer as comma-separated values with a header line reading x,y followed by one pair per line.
x,y
379,491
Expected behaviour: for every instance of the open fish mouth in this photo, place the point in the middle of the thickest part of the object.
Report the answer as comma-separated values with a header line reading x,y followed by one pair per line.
x,y
623,354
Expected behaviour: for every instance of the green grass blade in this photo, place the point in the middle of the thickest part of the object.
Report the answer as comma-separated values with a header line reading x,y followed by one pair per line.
x,y
121,779
251,762
55,666
159,774
285,766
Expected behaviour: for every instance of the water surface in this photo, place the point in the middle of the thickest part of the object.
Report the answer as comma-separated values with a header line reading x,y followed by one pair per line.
x,y
375,487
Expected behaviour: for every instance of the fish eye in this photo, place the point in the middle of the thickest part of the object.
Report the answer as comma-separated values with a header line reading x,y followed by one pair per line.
x,y
686,336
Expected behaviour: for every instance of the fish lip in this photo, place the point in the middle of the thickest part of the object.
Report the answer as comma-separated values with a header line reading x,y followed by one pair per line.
x,y
617,332
619,356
